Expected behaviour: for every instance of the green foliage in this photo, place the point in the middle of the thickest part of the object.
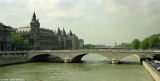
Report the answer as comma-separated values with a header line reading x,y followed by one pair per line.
x,y
26,43
89,46
17,40
154,41
145,44
135,44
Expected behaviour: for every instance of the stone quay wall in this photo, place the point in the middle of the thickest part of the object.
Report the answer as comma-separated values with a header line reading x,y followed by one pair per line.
x,y
154,73
11,57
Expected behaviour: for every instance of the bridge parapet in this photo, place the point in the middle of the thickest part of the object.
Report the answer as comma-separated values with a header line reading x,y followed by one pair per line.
x,y
135,51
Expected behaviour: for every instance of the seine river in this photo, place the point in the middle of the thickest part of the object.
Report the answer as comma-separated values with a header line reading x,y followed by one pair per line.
x,y
94,69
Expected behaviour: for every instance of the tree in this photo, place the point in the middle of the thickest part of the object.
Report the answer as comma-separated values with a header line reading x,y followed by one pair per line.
x,y
135,44
144,44
16,41
89,46
26,44
154,41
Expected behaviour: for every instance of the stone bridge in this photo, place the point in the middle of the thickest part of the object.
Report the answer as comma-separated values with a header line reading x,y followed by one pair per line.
x,y
75,55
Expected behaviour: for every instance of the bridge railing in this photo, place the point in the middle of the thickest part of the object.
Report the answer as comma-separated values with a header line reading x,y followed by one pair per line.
x,y
91,50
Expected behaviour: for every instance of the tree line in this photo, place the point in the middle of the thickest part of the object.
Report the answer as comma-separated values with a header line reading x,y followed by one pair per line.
x,y
151,42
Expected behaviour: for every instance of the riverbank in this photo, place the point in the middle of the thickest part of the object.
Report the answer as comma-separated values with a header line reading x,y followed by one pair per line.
x,y
154,73
13,58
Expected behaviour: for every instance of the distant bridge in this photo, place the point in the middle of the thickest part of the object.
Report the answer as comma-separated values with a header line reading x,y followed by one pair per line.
x,y
75,55
115,48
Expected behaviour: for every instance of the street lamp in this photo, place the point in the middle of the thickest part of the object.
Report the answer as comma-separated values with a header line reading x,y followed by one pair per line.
x,y
115,45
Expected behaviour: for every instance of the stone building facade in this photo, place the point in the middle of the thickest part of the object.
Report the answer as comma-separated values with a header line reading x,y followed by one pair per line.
x,y
5,37
46,39
81,44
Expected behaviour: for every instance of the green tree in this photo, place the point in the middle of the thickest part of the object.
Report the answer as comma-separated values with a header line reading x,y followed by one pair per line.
x,y
135,44
89,46
144,44
154,41
26,44
17,41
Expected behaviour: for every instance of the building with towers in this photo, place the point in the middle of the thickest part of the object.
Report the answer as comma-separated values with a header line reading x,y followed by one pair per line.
x,y
46,39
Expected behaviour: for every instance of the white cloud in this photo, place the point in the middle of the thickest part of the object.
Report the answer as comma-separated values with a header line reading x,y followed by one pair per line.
x,y
137,8
41,4
125,19
76,12
111,7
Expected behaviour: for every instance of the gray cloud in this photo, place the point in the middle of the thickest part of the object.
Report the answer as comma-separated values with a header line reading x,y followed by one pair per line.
x,y
65,4
97,21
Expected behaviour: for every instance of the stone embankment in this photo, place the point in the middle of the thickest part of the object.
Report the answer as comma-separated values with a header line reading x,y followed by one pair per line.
x,y
10,58
154,73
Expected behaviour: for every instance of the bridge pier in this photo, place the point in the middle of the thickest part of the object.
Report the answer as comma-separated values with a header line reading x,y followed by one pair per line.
x,y
67,60
115,61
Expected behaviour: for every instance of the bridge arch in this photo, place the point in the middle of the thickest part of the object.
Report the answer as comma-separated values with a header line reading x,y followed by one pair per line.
x,y
135,55
131,58
46,58
78,58
41,57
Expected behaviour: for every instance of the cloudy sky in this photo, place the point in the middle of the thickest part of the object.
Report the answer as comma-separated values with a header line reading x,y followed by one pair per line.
x,y
96,21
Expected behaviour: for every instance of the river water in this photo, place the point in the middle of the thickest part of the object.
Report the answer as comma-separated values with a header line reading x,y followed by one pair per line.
x,y
92,70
